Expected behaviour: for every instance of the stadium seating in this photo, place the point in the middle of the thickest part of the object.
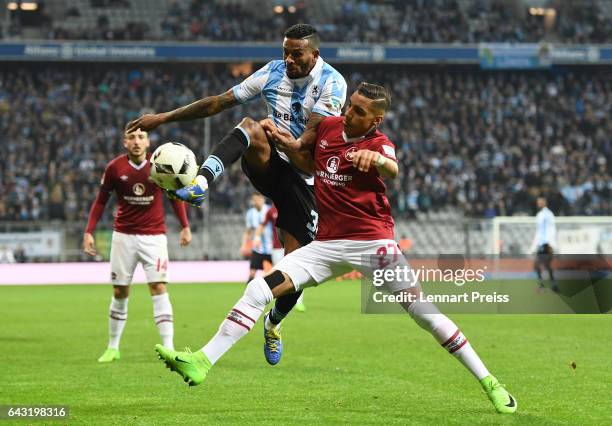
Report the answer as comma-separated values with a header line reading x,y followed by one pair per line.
x,y
467,140
376,21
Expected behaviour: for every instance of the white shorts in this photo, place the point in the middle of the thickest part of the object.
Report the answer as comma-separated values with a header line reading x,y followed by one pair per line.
x,y
321,260
277,255
127,250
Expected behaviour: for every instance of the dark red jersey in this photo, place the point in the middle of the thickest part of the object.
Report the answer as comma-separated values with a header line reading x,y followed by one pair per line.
x,y
352,205
140,202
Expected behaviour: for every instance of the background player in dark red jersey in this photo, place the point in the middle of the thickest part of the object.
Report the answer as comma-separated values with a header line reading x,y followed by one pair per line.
x,y
138,236
355,231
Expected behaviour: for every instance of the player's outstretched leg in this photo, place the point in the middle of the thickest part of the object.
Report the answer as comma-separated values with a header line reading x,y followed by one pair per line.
x,y
428,317
239,321
117,317
248,137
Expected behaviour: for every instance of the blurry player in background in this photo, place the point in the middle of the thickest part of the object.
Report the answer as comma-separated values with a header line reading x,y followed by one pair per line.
x,y
355,226
544,242
261,240
277,248
277,254
299,92
138,236
6,255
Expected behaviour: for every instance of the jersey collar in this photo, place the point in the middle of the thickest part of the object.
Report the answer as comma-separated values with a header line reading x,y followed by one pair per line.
x,y
358,138
138,166
352,140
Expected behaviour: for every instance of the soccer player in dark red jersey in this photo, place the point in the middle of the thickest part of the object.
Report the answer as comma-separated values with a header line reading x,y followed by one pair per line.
x,y
350,159
139,236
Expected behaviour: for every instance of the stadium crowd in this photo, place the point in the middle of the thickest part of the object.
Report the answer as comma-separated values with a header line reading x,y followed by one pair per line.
x,y
485,143
374,21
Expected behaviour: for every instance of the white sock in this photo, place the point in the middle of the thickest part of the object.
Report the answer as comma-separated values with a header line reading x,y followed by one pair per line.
x,y
201,180
240,319
162,314
268,325
117,316
459,346
428,317
301,298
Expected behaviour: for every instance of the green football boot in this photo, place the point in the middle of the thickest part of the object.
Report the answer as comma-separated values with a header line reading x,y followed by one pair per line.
x,y
503,402
193,367
300,306
109,355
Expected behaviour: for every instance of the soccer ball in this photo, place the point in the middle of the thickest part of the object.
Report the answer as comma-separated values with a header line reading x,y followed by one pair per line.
x,y
173,166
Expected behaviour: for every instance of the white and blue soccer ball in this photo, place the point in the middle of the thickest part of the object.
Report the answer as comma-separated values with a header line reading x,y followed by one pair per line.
x,y
173,166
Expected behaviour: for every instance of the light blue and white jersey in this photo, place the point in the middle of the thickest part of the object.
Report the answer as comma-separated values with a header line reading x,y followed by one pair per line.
x,y
546,229
254,218
291,101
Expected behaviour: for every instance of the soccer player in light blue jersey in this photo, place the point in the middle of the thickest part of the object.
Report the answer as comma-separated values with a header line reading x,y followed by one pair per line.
x,y
544,243
261,239
299,91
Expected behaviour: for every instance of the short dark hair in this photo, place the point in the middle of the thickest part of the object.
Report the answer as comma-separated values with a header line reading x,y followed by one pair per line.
x,y
379,94
304,32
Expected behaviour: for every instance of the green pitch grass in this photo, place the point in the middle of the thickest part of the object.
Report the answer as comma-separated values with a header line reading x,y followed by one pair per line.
x,y
339,366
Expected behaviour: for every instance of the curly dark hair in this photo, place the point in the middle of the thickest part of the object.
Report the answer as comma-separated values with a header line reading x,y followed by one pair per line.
x,y
304,32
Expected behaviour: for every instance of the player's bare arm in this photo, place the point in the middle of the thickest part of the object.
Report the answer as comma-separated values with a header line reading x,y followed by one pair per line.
x,y
185,236
365,159
300,151
257,236
202,108
309,136
304,158
89,244
301,158
247,236
290,145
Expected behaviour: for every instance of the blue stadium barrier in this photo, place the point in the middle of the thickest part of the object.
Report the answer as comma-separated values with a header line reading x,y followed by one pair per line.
x,y
501,56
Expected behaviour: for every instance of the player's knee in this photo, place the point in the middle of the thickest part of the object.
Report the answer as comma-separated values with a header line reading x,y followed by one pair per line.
x,y
280,283
121,291
258,293
257,135
157,288
274,279
252,127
